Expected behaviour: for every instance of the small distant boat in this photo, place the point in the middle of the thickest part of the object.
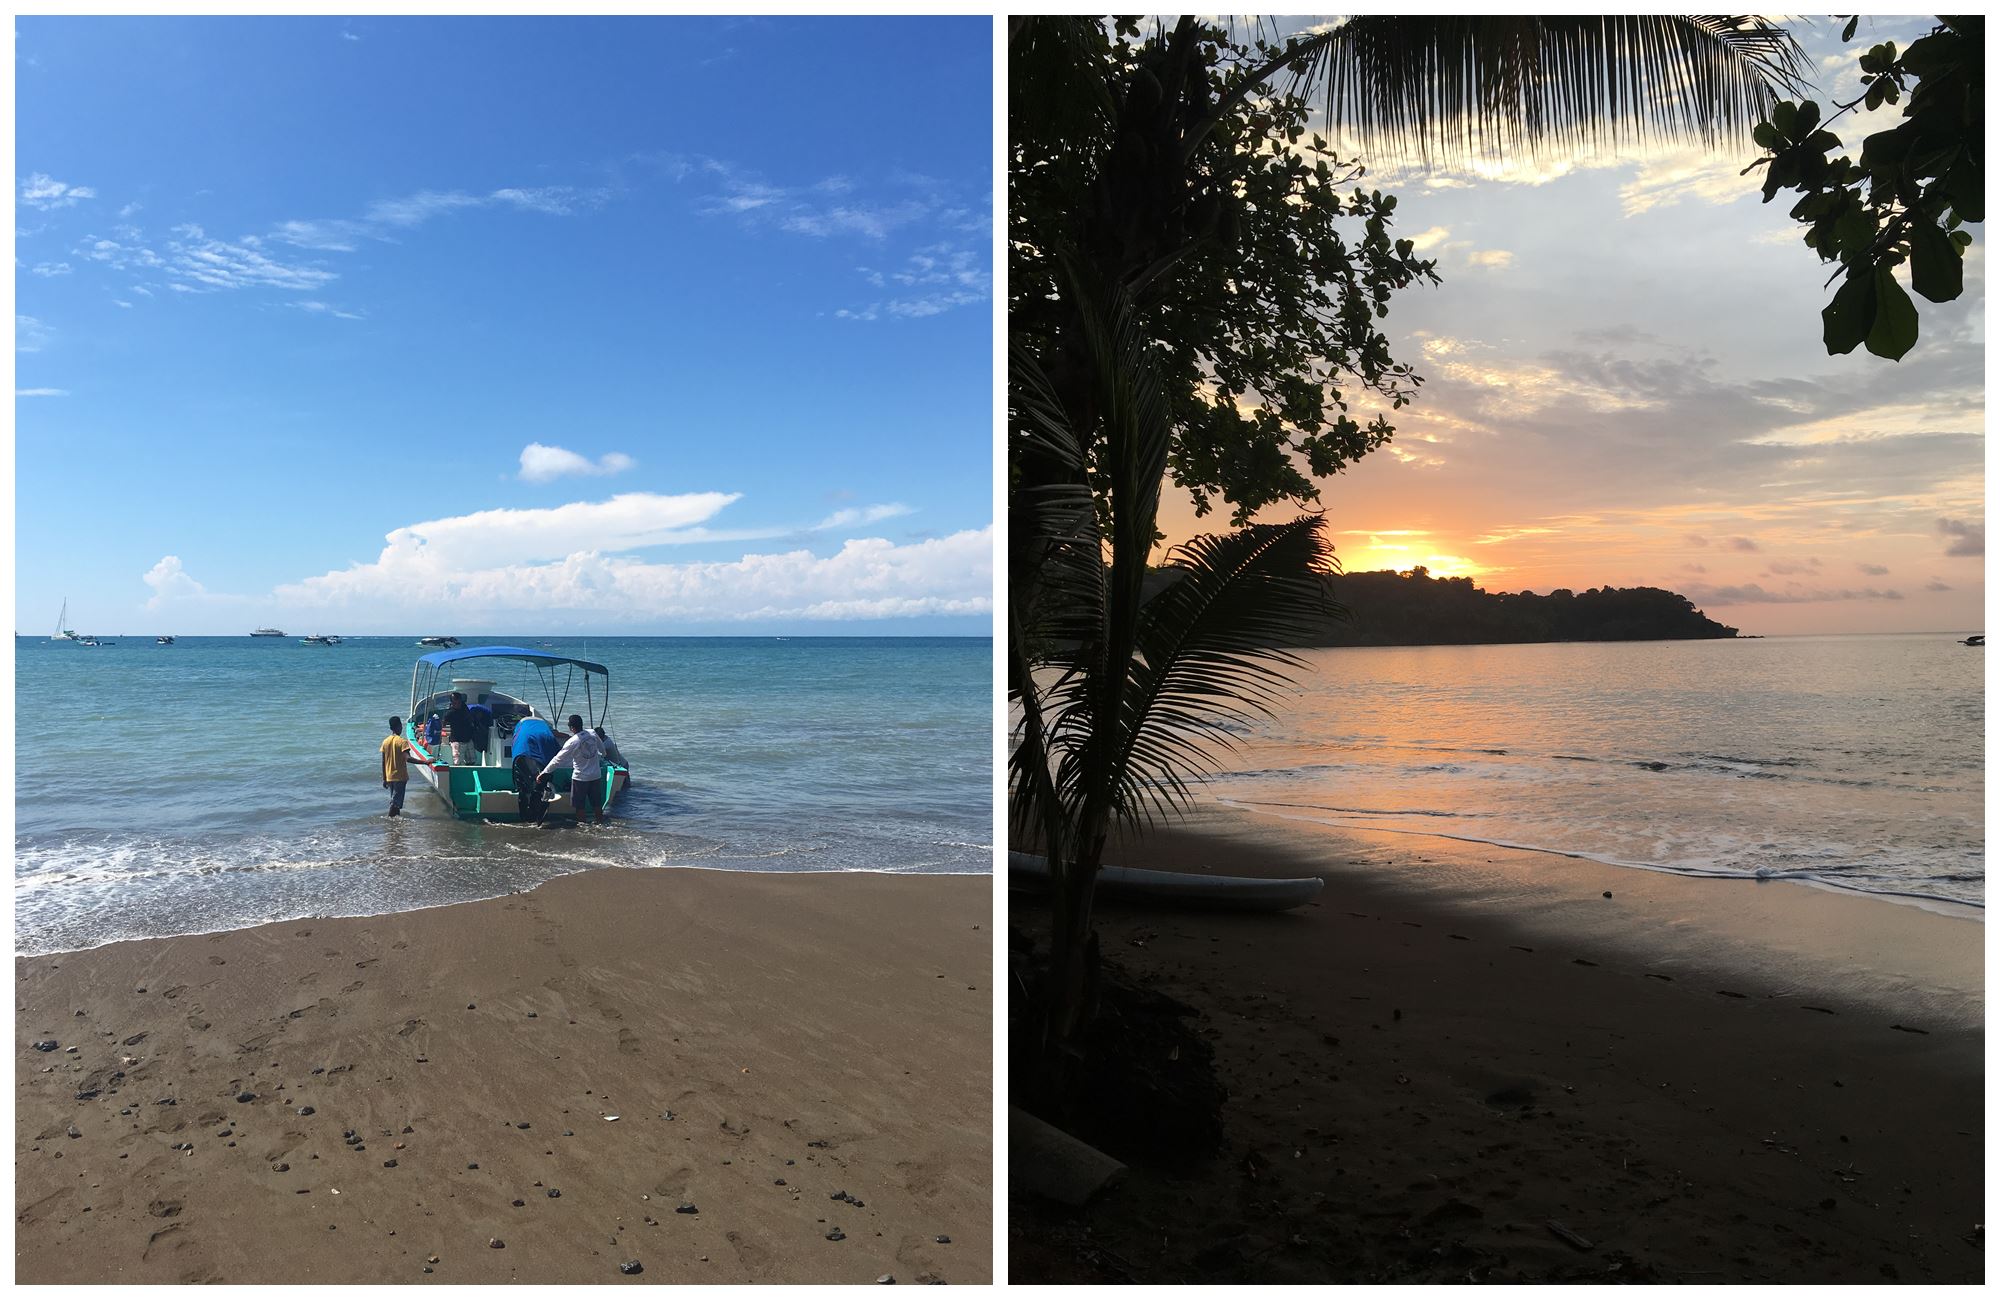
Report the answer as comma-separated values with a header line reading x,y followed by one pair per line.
x,y
319,640
63,633
163,640
268,631
484,790
1225,893
1975,640
438,642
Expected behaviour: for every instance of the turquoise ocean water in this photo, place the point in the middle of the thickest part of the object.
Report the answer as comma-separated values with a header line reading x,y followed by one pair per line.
x,y
229,781
1852,762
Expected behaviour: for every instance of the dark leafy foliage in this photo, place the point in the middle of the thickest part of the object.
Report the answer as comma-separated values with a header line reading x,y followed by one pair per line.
x,y
1905,199
1170,168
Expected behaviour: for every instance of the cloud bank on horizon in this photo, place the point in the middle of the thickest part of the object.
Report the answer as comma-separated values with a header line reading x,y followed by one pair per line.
x,y
506,566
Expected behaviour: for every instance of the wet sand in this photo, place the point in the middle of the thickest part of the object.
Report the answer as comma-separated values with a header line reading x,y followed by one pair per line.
x,y
1465,1063
764,1042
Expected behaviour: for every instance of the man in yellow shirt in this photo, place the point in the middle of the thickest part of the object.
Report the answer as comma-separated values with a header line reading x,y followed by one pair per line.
x,y
395,765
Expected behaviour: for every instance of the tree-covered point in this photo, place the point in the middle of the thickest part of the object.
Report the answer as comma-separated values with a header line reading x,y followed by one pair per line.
x,y
1413,608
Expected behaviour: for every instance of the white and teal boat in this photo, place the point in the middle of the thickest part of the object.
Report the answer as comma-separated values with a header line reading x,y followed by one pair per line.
x,y
551,688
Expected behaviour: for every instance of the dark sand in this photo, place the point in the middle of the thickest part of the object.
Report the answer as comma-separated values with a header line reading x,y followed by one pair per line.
x,y
833,1032
1456,1046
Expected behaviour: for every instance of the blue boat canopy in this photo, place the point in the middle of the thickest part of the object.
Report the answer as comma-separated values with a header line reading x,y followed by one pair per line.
x,y
439,658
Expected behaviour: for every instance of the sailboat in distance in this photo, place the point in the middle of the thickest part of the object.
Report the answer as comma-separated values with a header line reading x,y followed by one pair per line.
x,y
63,633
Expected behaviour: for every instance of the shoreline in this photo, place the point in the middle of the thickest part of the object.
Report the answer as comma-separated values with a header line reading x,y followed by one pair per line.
x,y
604,1049
1457,1046
1937,903
487,898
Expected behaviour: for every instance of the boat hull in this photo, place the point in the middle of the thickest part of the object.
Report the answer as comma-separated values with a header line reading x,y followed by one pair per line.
x,y
487,793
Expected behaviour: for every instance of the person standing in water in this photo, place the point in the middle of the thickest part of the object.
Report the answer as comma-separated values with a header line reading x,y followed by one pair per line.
x,y
583,756
396,766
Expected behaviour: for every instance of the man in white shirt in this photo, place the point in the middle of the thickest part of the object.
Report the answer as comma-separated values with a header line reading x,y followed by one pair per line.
x,y
582,754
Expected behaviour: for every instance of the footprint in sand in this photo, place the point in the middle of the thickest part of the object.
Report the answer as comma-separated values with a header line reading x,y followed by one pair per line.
x,y
352,987
628,1042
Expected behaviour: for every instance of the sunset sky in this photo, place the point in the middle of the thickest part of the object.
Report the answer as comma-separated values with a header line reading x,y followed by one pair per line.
x,y
1626,386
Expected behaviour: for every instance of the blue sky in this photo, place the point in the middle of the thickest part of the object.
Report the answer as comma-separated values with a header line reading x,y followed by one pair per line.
x,y
1626,385
393,325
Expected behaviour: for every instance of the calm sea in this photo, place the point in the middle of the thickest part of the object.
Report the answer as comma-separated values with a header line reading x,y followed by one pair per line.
x,y
1854,761
228,781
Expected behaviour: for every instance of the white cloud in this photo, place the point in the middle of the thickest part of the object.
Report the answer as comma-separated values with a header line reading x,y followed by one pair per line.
x,y
30,334
41,392
438,551
868,578
50,269
170,582
44,192
326,236
864,515
415,209
541,464
327,309
1497,258
1430,238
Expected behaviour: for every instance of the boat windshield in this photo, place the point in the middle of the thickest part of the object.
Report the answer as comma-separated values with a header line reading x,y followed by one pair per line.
x,y
560,684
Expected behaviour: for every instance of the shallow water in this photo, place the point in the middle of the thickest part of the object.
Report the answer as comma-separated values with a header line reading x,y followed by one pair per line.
x,y
229,781
1854,762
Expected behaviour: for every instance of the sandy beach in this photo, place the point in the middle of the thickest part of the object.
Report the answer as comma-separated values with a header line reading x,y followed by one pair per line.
x,y
1466,1063
726,1077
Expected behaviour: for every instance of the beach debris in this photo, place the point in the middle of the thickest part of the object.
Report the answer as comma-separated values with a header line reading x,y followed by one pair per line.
x,y
1569,1236
47,1045
666,1114
631,1266
1607,893
518,1203
472,1164
280,1168
495,1243
70,1050
887,1279
942,1240
554,1192
389,1164
246,1095
432,1260
305,1110
686,1207
611,1119
74,1131
836,1235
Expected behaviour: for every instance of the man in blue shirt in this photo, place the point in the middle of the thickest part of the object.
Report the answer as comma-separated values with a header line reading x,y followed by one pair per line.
x,y
534,745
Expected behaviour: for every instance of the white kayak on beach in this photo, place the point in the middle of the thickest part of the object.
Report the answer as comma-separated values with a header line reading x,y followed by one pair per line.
x,y
1231,893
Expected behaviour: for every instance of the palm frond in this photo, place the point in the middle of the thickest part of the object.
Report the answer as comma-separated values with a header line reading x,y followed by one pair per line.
x,y
1209,653
1451,88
